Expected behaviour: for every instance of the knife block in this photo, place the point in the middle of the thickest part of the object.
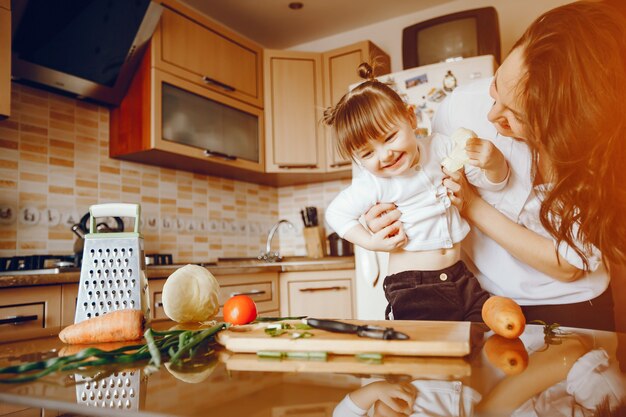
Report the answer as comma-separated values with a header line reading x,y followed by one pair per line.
x,y
314,241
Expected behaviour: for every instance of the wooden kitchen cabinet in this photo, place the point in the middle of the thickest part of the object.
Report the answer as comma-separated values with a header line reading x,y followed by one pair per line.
x,y
27,312
195,48
323,294
261,287
298,87
155,288
169,121
196,101
69,298
294,102
5,58
340,71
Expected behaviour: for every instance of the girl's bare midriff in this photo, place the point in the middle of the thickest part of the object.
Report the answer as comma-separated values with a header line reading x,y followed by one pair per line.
x,y
429,260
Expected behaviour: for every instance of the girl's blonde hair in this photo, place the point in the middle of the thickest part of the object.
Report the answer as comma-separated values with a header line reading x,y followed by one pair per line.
x,y
366,113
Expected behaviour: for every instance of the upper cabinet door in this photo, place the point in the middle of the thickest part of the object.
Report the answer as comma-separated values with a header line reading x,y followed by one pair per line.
x,y
340,71
294,108
204,55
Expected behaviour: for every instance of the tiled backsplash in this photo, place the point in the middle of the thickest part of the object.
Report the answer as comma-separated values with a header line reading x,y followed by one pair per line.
x,y
293,199
54,164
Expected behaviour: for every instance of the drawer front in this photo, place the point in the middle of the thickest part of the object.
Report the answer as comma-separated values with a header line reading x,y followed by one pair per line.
x,y
24,316
258,291
262,288
29,312
323,299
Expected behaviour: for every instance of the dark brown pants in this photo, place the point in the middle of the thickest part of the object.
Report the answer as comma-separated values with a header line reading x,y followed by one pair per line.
x,y
451,293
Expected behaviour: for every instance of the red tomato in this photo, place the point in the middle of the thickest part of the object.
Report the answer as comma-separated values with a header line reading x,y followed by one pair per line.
x,y
239,309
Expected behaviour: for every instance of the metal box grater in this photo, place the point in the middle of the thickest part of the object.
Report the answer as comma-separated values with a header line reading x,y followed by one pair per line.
x,y
124,390
113,271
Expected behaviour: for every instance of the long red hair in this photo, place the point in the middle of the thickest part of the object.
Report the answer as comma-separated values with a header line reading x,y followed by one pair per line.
x,y
574,98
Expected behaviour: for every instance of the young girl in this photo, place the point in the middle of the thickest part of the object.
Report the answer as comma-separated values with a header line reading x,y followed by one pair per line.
x,y
427,280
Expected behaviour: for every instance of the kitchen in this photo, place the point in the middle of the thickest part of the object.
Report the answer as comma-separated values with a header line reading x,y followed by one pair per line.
x,y
52,143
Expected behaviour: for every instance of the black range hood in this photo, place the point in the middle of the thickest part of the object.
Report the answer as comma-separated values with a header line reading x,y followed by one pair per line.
x,y
85,48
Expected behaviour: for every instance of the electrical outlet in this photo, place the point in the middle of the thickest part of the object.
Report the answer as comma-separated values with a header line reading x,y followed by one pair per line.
x,y
29,216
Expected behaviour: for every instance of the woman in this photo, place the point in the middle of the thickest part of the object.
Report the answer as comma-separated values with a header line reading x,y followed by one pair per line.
x,y
555,108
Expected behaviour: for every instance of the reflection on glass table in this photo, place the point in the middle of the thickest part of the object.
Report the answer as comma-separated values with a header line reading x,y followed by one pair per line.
x,y
572,373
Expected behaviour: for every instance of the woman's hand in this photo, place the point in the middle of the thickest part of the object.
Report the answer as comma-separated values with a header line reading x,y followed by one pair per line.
x,y
381,216
388,238
462,194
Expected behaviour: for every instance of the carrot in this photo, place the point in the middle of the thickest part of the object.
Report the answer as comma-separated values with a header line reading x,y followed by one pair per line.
x,y
116,326
504,316
509,355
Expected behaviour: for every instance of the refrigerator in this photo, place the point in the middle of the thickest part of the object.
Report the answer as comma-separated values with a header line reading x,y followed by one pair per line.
x,y
425,87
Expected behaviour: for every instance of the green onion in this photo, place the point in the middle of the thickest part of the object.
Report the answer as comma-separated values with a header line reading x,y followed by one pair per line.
x,y
369,357
177,344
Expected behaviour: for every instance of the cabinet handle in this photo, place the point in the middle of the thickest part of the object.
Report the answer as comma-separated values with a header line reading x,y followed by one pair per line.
x,y
340,164
219,155
314,289
18,319
219,84
158,304
251,292
306,166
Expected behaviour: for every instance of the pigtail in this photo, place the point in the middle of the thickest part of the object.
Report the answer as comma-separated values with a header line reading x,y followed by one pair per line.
x,y
329,115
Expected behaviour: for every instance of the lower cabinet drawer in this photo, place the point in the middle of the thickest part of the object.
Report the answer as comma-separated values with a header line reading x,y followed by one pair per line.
x,y
29,312
262,288
323,294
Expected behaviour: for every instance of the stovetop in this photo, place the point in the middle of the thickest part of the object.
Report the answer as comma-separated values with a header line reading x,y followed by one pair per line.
x,y
55,264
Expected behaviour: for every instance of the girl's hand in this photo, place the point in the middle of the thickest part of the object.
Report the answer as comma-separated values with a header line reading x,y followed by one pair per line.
x,y
395,399
461,192
389,238
381,215
484,154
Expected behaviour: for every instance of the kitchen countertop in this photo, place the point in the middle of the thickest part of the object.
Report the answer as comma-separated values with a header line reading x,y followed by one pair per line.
x,y
225,267
227,385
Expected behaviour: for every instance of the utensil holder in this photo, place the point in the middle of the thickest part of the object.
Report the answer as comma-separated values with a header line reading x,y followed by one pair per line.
x,y
314,241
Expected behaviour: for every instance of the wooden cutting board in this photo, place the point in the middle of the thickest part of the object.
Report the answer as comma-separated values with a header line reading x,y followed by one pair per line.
x,y
424,367
427,338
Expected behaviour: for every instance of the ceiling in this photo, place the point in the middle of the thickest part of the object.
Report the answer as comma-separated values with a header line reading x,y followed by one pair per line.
x,y
272,24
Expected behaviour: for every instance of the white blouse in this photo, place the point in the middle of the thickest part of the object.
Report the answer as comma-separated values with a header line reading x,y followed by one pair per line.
x,y
498,271
429,219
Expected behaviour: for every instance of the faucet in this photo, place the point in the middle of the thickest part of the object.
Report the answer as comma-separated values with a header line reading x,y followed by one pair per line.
x,y
268,255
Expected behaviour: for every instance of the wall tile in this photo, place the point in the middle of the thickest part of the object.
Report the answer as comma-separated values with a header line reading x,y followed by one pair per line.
x,y
54,157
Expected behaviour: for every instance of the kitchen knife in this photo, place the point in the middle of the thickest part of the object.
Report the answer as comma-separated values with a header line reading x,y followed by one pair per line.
x,y
374,332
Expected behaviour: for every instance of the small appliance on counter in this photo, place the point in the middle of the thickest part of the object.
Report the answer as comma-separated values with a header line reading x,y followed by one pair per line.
x,y
313,233
339,246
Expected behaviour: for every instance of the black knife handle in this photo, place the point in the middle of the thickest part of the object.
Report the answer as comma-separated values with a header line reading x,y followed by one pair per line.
x,y
332,325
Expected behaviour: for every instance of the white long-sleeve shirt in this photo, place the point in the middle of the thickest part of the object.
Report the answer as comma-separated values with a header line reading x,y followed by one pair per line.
x,y
498,271
429,220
